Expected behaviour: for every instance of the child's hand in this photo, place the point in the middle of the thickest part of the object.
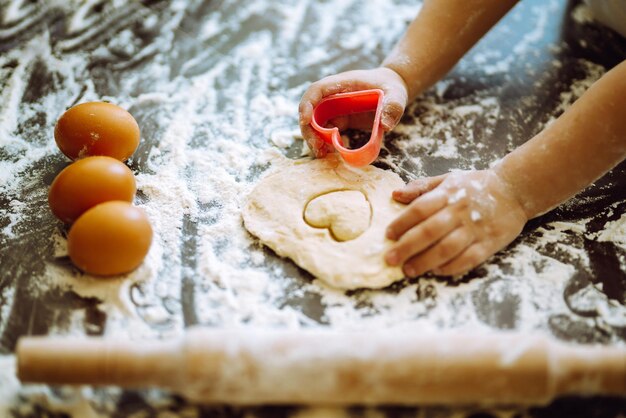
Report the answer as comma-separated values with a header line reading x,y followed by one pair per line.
x,y
453,223
387,80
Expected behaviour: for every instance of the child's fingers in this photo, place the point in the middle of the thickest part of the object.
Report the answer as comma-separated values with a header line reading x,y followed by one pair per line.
x,y
315,93
306,112
320,150
422,236
417,188
421,209
439,254
474,255
308,101
338,83
393,108
315,143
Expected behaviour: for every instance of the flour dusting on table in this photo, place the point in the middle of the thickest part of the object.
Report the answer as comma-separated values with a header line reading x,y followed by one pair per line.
x,y
218,110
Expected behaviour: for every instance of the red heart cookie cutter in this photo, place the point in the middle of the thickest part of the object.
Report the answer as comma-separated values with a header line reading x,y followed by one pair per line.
x,y
346,104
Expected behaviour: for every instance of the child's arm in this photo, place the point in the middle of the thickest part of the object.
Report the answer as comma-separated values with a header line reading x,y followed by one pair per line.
x,y
579,147
441,33
456,221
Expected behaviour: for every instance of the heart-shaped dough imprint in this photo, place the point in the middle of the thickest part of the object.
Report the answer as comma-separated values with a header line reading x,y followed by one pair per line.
x,y
346,213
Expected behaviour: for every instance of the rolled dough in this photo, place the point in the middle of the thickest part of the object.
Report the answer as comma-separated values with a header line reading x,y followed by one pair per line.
x,y
276,210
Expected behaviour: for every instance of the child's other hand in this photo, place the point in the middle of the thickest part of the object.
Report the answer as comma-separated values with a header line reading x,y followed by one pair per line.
x,y
453,222
387,80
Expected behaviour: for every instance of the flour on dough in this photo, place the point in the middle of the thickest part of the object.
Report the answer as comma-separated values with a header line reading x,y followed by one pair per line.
x,y
294,210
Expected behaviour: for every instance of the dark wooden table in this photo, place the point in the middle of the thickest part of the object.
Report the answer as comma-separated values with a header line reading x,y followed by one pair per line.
x,y
44,59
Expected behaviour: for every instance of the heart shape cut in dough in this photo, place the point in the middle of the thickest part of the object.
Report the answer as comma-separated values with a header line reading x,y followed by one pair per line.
x,y
346,213
275,212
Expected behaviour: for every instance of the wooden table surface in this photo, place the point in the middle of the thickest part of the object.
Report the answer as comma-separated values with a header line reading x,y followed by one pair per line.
x,y
53,56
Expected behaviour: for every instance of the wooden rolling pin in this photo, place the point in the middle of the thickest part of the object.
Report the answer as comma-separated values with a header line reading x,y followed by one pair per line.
x,y
333,367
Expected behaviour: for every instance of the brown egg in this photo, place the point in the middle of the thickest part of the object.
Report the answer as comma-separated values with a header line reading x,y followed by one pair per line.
x,y
109,239
88,182
97,128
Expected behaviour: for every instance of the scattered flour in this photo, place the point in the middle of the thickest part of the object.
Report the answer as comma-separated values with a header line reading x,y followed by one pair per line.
x,y
213,122
9,384
614,231
582,14
284,139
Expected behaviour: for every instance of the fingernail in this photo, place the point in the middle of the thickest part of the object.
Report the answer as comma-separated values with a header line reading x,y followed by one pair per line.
x,y
392,257
390,233
387,122
410,271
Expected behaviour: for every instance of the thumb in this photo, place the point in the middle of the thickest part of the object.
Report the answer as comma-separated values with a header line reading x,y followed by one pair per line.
x,y
417,188
393,108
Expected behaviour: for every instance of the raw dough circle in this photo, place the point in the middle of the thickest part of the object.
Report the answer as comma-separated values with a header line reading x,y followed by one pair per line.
x,y
275,212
